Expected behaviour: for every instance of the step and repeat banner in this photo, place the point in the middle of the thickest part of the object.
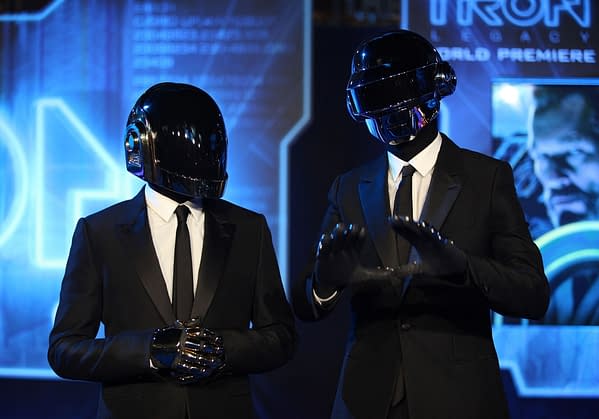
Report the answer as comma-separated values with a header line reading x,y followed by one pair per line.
x,y
528,87
70,71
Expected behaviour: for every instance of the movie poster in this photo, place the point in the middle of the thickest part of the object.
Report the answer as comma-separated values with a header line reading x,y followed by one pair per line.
x,y
528,85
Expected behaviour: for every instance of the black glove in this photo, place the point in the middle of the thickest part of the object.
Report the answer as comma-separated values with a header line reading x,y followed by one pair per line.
x,y
187,352
438,255
338,263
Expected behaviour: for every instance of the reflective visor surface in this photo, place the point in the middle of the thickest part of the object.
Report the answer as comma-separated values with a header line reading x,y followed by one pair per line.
x,y
394,91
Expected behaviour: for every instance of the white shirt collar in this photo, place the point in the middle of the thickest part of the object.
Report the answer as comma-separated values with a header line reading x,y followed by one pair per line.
x,y
423,162
165,207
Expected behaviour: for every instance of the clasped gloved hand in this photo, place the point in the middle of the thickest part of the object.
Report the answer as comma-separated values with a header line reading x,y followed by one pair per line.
x,y
187,352
439,256
338,263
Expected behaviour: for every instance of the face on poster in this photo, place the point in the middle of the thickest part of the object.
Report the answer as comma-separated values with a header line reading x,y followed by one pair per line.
x,y
527,85
549,133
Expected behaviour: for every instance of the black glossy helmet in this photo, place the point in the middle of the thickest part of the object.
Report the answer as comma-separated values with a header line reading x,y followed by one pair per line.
x,y
176,139
397,80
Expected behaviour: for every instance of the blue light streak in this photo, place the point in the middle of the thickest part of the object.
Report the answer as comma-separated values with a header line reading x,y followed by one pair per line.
x,y
20,179
31,17
287,141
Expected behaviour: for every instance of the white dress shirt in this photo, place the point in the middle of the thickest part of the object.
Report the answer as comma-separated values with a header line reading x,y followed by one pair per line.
x,y
424,163
163,226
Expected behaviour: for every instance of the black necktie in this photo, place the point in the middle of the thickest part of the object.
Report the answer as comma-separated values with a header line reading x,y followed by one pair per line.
x,y
403,207
182,271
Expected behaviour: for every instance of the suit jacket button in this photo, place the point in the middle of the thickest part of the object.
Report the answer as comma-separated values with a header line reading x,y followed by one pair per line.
x,y
405,326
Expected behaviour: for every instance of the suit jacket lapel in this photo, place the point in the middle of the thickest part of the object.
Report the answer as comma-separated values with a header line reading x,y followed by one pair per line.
x,y
442,192
445,185
218,235
137,242
375,204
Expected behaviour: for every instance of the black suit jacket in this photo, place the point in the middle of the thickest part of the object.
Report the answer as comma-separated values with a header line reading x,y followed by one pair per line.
x,y
113,277
441,328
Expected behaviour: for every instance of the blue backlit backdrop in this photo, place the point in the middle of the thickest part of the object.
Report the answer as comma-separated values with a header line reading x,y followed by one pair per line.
x,y
70,70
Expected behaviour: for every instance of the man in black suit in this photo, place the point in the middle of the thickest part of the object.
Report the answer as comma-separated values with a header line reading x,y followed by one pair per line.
x,y
134,267
425,240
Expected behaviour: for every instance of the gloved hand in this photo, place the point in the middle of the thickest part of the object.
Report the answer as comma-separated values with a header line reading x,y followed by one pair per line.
x,y
187,352
338,263
438,255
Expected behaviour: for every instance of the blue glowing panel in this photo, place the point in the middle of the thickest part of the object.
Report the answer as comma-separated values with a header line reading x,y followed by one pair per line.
x,y
546,130
501,51
69,74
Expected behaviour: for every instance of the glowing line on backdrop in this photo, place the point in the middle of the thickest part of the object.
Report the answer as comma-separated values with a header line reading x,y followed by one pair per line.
x,y
582,256
566,230
554,259
288,139
529,391
112,171
29,17
21,182
405,14
35,373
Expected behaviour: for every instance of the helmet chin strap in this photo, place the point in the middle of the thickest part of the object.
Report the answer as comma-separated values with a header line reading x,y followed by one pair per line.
x,y
410,147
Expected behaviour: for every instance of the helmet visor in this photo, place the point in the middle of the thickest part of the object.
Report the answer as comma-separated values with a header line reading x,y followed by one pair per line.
x,y
398,91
